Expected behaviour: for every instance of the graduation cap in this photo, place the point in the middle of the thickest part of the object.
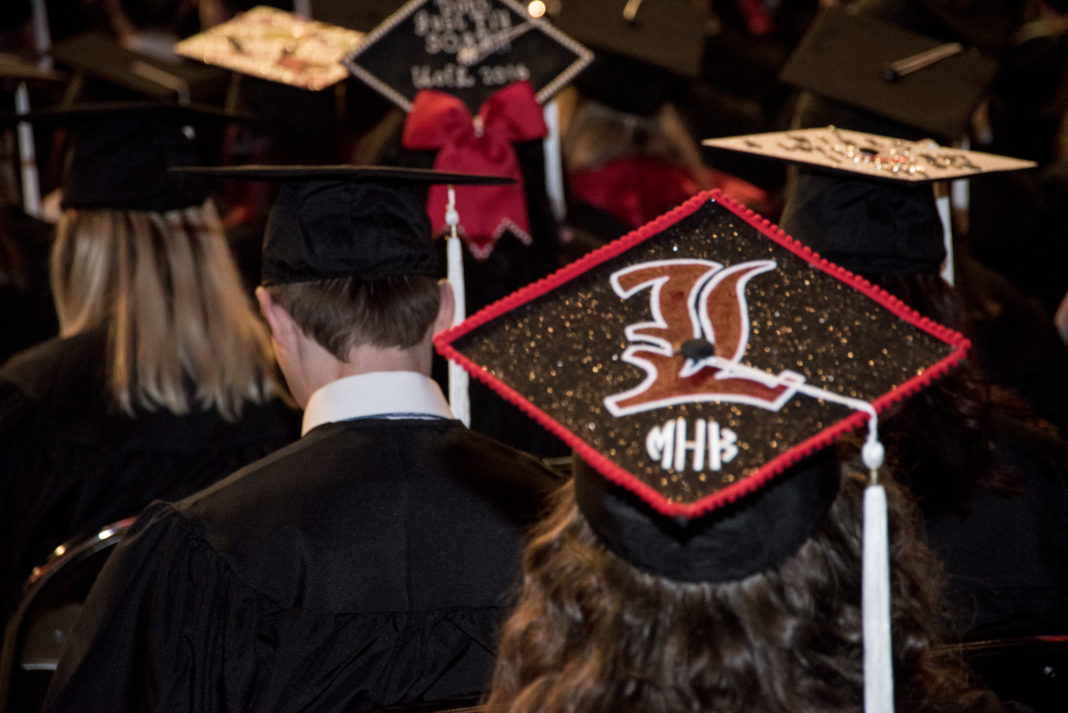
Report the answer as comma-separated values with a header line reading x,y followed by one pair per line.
x,y
880,224
871,155
469,50
356,221
119,152
125,74
645,51
17,69
666,34
891,72
279,46
345,221
692,364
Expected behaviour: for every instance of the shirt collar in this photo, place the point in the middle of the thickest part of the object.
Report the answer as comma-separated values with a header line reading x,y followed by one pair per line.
x,y
380,393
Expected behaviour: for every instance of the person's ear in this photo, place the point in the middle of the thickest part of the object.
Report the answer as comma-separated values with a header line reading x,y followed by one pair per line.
x,y
446,309
282,325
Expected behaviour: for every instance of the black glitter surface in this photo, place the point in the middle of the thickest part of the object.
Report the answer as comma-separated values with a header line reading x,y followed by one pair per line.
x,y
563,352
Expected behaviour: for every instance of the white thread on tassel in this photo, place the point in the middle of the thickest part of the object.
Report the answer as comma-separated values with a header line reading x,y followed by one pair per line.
x,y
459,399
875,583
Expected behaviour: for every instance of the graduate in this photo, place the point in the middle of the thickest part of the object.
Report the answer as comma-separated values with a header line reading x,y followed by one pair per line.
x,y
370,563
711,552
161,379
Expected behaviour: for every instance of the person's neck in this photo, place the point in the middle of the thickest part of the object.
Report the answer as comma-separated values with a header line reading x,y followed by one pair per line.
x,y
365,359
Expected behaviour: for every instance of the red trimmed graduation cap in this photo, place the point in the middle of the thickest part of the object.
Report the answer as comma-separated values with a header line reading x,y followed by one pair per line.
x,y
700,366
694,360
891,72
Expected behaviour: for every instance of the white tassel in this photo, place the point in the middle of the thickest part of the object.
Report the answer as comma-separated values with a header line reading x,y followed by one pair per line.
x,y
459,399
878,649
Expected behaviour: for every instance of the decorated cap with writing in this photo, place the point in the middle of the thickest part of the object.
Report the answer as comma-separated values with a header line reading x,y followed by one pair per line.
x,y
693,362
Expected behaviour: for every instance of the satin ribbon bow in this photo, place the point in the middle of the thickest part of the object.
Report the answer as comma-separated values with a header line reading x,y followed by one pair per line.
x,y
480,144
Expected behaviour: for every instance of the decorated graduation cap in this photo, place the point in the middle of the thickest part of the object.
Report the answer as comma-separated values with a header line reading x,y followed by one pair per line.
x,y
119,152
871,155
466,49
893,73
276,45
472,77
694,365
890,232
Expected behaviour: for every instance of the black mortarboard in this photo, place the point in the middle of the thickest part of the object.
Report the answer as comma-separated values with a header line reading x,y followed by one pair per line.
x,y
645,51
890,72
694,364
119,153
279,46
128,74
345,221
666,34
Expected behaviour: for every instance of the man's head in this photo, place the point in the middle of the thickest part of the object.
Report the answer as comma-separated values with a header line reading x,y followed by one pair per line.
x,y
349,280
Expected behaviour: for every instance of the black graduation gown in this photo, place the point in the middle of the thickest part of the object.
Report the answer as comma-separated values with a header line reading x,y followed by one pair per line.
x,y
71,462
368,564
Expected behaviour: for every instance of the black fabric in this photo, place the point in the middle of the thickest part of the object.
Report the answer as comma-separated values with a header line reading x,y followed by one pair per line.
x,y
862,224
320,229
71,462
122,163
752,535
368,564
1006,552
119,152
845,56
27,313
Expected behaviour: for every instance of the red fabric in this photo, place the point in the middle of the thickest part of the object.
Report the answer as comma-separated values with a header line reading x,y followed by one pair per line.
x,y
638,188
441,121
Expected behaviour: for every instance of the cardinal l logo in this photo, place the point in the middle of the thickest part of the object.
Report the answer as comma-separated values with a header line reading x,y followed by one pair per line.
x,y
692,348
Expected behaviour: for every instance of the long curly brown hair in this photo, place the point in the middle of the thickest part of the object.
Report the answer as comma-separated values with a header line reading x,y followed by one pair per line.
x,y
592,633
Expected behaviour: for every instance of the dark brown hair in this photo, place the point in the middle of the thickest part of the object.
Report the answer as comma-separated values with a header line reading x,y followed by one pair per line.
x,y
592,633
341,313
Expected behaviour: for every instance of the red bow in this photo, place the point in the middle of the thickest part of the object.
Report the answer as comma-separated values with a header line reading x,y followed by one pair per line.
x,y
482,144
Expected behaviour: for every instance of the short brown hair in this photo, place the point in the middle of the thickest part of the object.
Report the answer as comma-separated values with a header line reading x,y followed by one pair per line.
x,y
344,312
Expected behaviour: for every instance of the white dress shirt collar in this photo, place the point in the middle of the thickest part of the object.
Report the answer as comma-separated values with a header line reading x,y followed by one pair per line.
x,y
384,394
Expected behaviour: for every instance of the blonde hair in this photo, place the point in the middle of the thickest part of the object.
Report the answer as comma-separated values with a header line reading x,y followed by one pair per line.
x,y
181,328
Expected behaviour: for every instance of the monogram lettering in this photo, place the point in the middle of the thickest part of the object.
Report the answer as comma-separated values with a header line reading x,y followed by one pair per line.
x,y
694,299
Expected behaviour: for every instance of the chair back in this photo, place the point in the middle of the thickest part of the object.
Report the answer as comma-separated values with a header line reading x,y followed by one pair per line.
x,y
37,631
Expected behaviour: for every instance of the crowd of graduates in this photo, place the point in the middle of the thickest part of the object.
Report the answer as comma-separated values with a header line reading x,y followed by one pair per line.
x,y
245,364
